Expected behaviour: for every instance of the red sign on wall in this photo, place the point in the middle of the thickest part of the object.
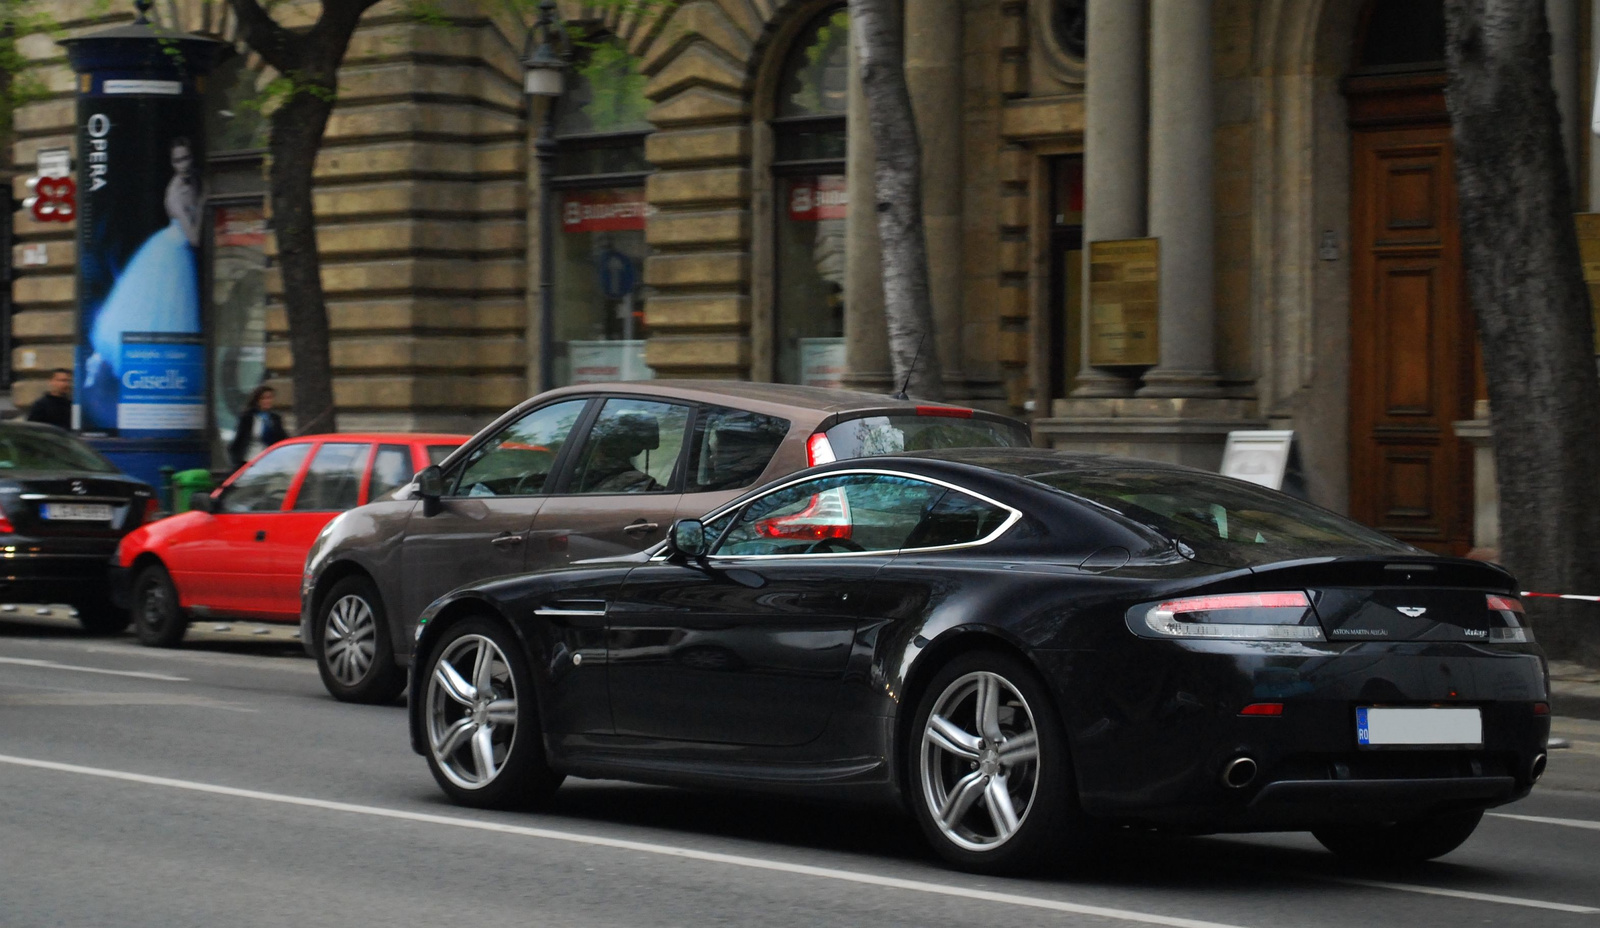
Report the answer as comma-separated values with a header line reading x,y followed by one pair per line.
x,y
815,198
244,226
616,210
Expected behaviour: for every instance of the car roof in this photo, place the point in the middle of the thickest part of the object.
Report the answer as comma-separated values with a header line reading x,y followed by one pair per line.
x,y
792,396
425,438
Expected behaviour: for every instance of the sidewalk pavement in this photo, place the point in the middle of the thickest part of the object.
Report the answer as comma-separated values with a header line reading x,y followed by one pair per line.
x,y
1574,690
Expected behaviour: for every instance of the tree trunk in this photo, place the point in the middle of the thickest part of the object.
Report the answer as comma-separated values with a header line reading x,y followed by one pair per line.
x,y
297,128
1520,251
308,62
913,350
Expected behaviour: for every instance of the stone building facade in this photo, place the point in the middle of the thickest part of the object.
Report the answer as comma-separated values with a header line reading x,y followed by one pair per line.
x,y
1291,157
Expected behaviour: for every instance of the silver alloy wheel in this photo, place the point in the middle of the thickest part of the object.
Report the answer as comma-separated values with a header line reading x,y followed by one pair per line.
x,y
349,639
980,761
472,715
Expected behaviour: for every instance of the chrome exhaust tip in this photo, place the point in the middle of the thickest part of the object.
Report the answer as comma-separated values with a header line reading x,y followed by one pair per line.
x,y
1536,769
1239,772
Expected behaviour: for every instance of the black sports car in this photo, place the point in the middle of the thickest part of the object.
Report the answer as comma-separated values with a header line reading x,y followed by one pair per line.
x,y
1025,647
63,508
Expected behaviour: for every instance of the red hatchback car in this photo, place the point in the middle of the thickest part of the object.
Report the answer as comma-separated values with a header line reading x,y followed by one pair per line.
x,y
240,552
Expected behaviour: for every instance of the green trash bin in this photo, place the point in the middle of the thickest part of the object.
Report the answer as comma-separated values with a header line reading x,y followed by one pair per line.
x,y
185,483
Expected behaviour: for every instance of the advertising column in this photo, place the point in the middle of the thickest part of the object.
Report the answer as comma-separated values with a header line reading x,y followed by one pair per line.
x,y
141,358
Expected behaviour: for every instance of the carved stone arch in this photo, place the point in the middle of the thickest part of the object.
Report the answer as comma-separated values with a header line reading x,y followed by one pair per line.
x,y
1301,203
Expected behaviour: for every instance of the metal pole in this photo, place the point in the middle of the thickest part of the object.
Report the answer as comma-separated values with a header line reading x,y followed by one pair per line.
x,y
545,150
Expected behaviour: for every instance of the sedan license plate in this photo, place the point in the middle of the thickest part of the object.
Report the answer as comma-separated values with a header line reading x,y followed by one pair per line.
x,y
1376,727
77,512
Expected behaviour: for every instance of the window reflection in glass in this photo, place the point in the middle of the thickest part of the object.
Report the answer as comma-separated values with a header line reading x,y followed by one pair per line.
x,y
333,482
816,76
633,447
390,469
265,484
810,294
517,461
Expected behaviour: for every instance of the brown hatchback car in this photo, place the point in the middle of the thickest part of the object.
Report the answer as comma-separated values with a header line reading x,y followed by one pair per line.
x,y
581,472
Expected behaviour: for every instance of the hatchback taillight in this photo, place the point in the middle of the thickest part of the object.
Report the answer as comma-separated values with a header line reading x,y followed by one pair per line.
x,y
1247,616
826,515
819,450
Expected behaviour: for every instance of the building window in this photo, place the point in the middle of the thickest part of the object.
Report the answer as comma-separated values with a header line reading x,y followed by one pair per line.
x,y
809,181
598,189
1060,28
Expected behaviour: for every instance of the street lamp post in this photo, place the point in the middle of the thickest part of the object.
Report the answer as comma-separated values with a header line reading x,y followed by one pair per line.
x,y
544,61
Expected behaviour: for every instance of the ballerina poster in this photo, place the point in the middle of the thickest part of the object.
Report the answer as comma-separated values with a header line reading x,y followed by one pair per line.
x,y
141,350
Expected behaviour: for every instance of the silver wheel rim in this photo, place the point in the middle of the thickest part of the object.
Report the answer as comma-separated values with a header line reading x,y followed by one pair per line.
x,y
472,711
980,761
154,605
349,639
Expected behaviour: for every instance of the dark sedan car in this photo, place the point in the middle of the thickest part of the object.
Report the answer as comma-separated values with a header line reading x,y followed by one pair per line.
x,y
1025,647
63,508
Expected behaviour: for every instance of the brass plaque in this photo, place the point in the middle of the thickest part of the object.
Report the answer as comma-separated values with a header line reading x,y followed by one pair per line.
x,y
1124,302
1589,255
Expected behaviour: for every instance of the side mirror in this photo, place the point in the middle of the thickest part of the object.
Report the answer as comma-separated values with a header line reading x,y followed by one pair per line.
x,y
203,502
688,538
430,486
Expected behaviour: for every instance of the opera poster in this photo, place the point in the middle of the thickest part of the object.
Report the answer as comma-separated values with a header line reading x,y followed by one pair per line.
x,y
141,348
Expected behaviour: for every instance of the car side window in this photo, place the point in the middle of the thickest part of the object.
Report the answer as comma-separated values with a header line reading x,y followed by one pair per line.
x,y
391,468
633,447
263,486
956,519
829,515
517,460
731,448
333,482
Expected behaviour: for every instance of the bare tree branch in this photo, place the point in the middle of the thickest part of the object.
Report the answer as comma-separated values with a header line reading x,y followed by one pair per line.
x,y
277,46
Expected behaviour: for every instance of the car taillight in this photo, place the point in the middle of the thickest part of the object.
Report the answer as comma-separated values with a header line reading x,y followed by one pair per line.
x,y
819,451
6,528
1506,620
1249,616
152,508
951,412
827,515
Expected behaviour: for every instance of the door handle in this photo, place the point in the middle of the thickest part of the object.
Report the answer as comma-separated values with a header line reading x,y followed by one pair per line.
x,y
640,527
506,540
261,535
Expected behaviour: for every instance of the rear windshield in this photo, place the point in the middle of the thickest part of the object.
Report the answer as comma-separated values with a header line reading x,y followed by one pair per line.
x,y
1226,522
38,449
872,435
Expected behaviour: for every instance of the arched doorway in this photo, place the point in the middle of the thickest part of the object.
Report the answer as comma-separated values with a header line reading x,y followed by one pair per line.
x,y
1412,340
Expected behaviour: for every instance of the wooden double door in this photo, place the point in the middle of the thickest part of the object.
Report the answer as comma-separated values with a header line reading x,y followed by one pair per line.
x,y
1413,347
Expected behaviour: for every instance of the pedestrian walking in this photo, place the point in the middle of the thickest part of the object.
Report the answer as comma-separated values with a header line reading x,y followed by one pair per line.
x,y
259,427
55,406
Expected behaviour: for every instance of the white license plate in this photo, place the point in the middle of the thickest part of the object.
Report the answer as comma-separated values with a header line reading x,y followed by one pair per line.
x,y
1453,727
77,512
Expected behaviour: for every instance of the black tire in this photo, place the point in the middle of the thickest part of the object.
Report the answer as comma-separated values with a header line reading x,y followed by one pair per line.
x,y
363,670
1401,842
103,618
523,777
1051,831
157,618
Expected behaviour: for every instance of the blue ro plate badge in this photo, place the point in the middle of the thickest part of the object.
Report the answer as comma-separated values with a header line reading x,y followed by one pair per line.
x,y
1431,727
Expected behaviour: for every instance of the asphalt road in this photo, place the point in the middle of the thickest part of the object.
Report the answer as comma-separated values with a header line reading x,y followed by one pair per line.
x,y
219,785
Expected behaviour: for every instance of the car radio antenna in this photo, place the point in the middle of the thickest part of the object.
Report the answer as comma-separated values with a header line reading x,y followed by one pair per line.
x,y
912,369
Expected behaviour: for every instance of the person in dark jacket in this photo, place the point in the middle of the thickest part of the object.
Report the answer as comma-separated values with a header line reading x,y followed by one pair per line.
x,y
55,406
259,427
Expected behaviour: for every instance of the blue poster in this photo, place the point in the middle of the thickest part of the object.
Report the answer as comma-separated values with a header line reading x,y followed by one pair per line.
x,y
161,388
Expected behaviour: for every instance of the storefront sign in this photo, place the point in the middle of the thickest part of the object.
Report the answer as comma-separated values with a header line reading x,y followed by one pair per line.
x,y
812,199
608,361
1589,254
822,362
615,210
161,389
1124,302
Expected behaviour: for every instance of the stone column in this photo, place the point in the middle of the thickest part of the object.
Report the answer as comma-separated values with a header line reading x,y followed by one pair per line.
x,y
1561,16
933,75
1113,152
1182,201
865,331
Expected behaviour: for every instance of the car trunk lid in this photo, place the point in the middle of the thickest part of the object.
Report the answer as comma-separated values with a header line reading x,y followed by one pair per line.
x,y
74,505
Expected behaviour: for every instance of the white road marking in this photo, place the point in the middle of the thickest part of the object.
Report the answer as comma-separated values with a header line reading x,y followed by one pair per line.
x,y
754,863
1461,894
52,665
1545,820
